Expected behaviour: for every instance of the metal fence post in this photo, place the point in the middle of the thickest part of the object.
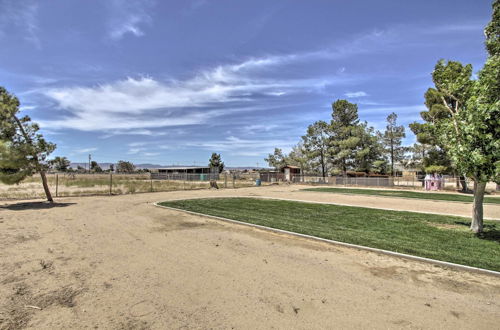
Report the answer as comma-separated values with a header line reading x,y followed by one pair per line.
x,y
57,184
151,185
225,180
110,183
234,178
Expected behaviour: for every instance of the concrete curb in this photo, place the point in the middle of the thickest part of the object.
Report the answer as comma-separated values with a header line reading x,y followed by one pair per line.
x,y
324,240
339,204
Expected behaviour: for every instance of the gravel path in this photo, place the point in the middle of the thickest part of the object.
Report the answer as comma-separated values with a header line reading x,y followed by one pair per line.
x,y
121,263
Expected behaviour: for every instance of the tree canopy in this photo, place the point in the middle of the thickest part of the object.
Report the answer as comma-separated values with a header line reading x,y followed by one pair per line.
x,y
125,167
215,162
24,150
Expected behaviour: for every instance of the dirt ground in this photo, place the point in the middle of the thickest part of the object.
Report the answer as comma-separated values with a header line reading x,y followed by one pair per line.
x,y
122,263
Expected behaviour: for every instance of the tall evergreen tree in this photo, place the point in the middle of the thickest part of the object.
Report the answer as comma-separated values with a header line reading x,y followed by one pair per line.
x,y
215,162
316,145
23,149
344,134
392,140
368,150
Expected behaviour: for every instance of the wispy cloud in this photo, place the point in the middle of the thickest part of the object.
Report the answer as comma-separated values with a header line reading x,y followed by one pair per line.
x,y
22,15
238,146
84,150
356,94
128,17
138,105
145,103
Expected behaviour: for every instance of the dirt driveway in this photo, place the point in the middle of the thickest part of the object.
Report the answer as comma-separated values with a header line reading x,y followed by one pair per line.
x,y
121,263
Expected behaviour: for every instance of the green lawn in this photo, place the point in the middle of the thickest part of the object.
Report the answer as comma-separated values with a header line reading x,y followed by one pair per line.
x,y
406,194
438,237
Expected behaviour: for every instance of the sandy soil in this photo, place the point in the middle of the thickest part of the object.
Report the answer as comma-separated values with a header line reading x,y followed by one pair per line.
x,y
122,263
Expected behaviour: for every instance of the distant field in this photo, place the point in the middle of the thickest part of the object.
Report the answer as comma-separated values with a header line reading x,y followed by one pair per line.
x,y
103,184
438,237
406,194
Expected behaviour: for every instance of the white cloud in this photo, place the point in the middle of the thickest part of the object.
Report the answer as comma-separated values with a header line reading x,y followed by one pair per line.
x,y
27,107
386,110
84,150
134,151
141,103
240,146
151,154
356,94
128,17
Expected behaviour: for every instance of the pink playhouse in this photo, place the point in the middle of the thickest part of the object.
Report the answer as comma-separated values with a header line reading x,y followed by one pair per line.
x,y
433,182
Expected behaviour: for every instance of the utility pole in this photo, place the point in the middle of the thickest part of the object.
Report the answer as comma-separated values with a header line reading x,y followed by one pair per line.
x,y
90,157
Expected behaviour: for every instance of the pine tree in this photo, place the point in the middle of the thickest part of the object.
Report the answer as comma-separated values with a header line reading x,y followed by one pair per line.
x,y
392,139
344,134
23,149
316,145
215,162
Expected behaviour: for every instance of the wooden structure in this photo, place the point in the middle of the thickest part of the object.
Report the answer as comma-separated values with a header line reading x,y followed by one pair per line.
x,y
289,172
191,173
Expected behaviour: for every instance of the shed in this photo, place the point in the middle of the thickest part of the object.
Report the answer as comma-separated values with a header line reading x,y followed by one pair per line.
x,y
290,172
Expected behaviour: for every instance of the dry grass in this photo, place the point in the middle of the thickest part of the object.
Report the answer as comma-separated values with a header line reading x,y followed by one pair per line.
x,y
101,184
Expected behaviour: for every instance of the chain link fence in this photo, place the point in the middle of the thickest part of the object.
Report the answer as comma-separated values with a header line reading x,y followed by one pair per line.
x,y
85,184
406,182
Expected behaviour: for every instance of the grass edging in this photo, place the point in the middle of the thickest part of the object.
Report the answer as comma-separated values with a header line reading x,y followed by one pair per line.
x,y
364,192
324,240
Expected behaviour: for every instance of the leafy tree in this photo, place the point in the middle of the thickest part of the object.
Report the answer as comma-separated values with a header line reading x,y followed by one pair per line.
x,y
94,167
23,148
471,131
125,167
298,157
392,139
316,145
276,159
435,169
60,164
344,140
215,162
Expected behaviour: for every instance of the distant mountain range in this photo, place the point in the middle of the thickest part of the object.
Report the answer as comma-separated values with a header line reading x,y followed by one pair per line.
x,y
105,166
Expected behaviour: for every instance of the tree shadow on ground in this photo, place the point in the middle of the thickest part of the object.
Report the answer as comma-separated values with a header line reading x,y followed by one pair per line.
x,y
490,231
34,206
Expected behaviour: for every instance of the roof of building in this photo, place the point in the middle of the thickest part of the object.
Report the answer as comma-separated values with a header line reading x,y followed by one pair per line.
x,y
183,167
290,166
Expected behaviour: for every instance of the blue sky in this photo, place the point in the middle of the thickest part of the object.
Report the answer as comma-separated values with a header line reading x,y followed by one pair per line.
x,y
170,82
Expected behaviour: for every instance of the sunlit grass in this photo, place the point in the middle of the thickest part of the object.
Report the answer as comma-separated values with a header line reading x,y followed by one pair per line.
x,y
445,238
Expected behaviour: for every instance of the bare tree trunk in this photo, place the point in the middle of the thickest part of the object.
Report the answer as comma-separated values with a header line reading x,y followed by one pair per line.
x,y
463,182
477,208
46,186
35,158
